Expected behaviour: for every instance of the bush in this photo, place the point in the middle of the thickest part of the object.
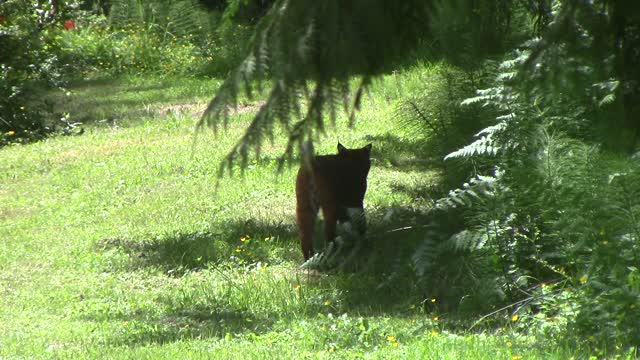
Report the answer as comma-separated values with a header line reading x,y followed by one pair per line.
x,y
97,50
558,208
28,62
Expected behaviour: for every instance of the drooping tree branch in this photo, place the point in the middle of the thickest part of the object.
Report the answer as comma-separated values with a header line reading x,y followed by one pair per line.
x,y
318,44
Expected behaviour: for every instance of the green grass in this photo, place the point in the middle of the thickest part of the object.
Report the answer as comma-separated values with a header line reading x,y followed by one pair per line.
x,y
123,243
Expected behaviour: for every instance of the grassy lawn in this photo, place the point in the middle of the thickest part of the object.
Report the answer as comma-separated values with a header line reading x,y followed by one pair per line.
x,y
123,243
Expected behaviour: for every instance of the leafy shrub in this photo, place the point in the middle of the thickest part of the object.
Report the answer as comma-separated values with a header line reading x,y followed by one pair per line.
x,y
104,52
28,62
556,208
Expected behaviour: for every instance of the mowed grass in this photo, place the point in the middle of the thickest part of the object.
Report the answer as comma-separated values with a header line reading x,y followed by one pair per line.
x,y
124,243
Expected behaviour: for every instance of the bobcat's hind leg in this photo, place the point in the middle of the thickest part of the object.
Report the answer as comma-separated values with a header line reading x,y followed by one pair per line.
x,y
306,212
306,219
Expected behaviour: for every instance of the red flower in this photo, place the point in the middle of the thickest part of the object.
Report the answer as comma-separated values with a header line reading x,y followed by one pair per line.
x,y
69,25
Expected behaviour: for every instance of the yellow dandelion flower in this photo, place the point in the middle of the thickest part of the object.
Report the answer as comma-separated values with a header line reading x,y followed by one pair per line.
x,y
516,357
433,300
267,238
23,108
583,279
509,344
238,250
395,344
10,133
391,338
436,318
515,318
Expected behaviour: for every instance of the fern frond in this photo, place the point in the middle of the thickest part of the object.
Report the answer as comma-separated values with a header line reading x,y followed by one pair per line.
x,y
476,189
468,241
485,145
425,257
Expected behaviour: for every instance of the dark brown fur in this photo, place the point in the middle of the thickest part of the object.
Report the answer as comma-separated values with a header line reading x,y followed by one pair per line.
x,y
334,183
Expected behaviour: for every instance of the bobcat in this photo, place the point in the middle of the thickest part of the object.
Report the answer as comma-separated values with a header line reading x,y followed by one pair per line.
x,y
335,183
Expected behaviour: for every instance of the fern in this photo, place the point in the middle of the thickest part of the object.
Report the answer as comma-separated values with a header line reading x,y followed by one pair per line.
x,y
486,144
451,267
467,240
477,189
169,18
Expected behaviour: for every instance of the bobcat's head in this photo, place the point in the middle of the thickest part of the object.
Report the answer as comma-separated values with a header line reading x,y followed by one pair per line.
x,y
358,160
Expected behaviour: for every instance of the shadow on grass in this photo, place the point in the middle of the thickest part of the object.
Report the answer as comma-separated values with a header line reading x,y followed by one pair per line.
x,y
420,154
118,102
185,324
375,274
240,242
404,153
380,282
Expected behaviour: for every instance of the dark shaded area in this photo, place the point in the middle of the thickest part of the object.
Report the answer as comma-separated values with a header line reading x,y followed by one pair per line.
x,y
179,323
180,253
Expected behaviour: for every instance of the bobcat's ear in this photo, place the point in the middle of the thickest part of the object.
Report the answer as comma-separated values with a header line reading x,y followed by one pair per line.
x,y
341,149
368,147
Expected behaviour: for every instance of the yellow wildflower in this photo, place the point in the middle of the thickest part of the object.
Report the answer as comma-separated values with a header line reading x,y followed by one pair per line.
x,y
583,279
391,338
10,133
515,318
516,357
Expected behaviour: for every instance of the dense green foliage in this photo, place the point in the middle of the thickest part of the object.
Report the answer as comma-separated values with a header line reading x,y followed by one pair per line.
x,y
46,45
27,59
